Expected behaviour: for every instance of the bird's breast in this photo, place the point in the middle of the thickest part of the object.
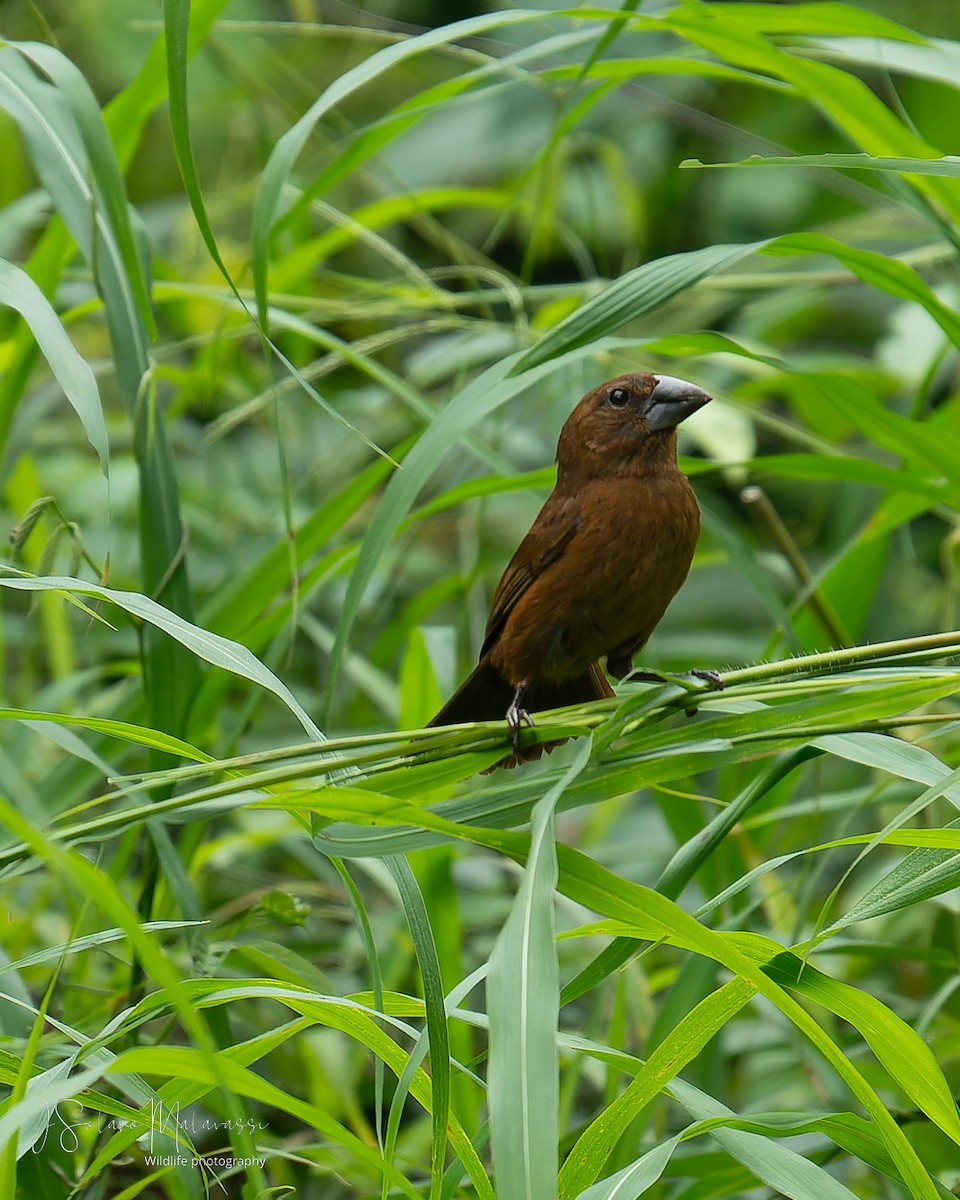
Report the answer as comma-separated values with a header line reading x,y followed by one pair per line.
x,y
632,550
637,554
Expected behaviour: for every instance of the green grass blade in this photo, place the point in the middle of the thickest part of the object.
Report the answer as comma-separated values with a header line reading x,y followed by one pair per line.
x,y
594,1146
18,291
438,1036
947,165
635,1179
638,292
523,1001
785,1171
905,1056
879,270
278,171
738,38
105,171
212,648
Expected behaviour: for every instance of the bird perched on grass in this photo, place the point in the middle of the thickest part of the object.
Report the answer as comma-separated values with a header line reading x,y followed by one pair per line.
x,y
605,556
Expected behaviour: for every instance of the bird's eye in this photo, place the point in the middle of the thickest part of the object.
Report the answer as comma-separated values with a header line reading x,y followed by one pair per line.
x,y
618,397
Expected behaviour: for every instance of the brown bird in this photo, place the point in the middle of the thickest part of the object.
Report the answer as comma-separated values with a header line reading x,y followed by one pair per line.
x,y
605,556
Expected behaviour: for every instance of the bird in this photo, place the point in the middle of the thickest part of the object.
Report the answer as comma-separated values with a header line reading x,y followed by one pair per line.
x,y
605,556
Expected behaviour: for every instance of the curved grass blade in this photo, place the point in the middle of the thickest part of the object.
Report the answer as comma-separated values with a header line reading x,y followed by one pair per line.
x,y
594,1146
279,168
634,1180
18,291
60,127
841,20
736,34
138,735
640,291
72,155
212,648
879,270
906,1057
783,1170
603,891
104,169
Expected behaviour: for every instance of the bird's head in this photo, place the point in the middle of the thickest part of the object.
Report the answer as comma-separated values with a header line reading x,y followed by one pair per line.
x,y
627,424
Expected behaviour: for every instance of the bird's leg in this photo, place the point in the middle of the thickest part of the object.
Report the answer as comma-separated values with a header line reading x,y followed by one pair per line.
x,y
517,716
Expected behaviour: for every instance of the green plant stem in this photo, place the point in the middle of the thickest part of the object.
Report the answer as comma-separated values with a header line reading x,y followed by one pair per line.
x,y
772,524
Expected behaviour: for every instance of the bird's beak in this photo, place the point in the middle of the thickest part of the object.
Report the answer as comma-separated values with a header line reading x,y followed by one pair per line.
x,y
672,401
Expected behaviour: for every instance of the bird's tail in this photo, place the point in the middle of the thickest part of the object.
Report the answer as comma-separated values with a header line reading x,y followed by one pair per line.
x,y
485,696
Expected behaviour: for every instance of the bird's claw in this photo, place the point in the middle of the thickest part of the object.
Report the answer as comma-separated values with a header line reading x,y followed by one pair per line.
x,y
712,679
685,679
516,718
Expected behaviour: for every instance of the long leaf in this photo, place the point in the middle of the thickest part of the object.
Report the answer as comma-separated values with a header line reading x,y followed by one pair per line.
x,y
523,1001
633,295
212,648
18,291
439,1039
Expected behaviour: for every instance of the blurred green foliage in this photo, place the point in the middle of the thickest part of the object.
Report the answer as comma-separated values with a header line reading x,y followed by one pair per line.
x,y
421,231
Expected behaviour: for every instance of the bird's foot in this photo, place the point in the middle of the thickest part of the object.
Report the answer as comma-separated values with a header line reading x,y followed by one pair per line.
x,y
517,717
712,679
691,681
713,684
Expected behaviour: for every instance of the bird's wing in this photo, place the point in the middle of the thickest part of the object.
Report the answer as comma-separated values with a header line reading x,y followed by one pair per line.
x,y
550,535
